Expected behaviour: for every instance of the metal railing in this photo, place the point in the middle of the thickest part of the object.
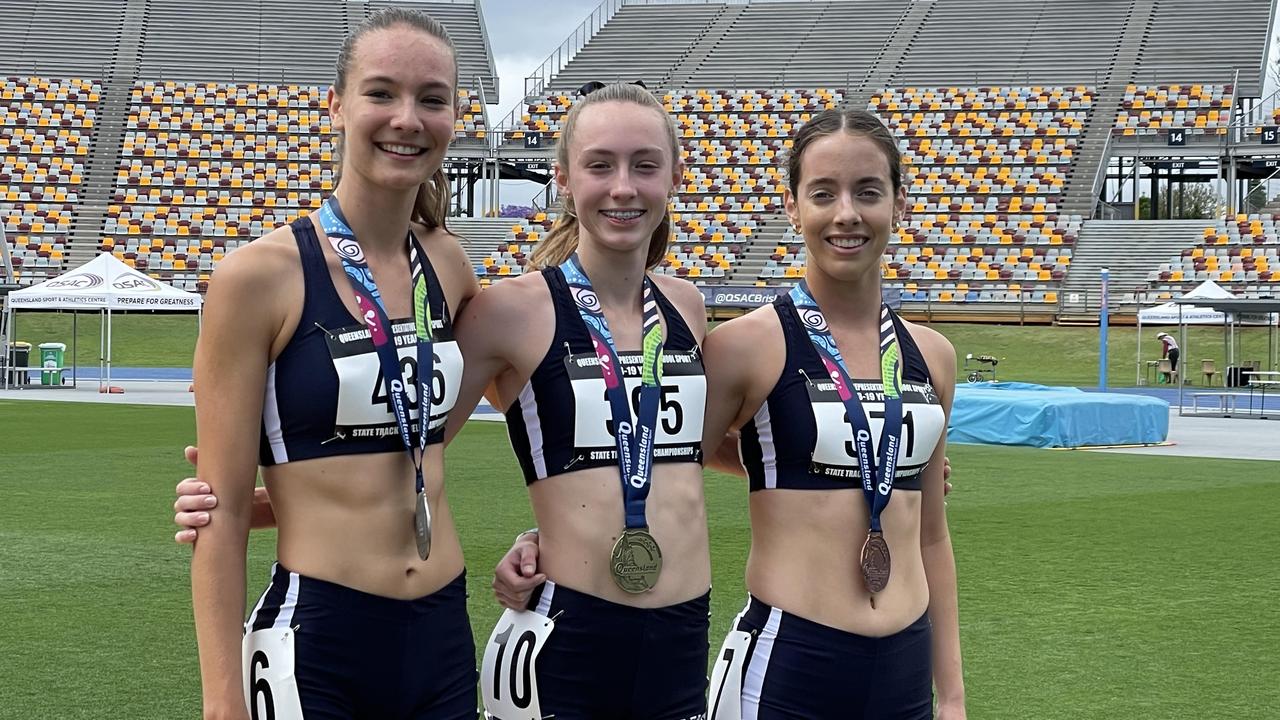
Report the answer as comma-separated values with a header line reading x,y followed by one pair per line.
x,y
1100,176
536,81
1024,305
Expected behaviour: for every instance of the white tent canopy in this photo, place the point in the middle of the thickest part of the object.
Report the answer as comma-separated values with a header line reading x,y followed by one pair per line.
x,y
1168,313
103,284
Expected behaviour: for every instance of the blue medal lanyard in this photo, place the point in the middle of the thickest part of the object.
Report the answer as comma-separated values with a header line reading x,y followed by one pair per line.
x,y
635,446
374,314
877,479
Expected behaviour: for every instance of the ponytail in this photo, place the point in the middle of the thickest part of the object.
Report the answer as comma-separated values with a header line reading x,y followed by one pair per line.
x,y
431,206
561,240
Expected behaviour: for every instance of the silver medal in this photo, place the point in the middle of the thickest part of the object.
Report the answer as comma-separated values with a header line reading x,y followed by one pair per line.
x,y
422,525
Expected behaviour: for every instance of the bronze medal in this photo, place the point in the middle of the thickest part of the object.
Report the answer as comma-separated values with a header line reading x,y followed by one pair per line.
x,y
636,561
875,562
422,525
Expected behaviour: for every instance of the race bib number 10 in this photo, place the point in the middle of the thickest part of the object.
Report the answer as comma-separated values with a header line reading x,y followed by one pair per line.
x,y
507,678
270,689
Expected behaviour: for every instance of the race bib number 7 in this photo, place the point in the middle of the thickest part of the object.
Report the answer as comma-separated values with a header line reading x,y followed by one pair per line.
x,y
270,688
725,696
508,681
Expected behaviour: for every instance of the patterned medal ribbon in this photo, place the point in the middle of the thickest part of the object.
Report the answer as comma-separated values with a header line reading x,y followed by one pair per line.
x,y
877,478
374,314
637,560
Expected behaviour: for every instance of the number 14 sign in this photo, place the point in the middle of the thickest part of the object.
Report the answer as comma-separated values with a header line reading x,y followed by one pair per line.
x,y
507,677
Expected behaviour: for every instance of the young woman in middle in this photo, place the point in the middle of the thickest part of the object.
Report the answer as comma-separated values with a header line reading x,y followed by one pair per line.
x,y
599,371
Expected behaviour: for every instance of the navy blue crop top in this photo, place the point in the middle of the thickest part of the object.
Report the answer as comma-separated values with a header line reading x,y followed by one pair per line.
x,y
558,424
325,393
800,438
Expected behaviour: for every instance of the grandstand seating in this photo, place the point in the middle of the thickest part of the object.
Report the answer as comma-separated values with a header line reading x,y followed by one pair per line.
x,y
986,168
1186,44
45,126
1242,255
227,135
212,160
69,38
1149,109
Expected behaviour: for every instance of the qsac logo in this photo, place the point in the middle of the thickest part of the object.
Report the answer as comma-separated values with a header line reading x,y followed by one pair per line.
x,y
78,281
136,282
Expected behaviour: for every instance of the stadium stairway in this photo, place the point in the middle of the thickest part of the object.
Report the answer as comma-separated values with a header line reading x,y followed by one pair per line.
x,y
1129,248
880,74
764,243
682,73
481,235
1079,198
108,138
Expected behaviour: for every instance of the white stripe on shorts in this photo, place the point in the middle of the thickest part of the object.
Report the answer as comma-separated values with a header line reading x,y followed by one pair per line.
x,y
544,601
753,682
261,599
285,618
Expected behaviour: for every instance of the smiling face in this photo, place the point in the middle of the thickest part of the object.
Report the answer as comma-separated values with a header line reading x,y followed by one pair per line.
x,y
619,173
396,108
845,205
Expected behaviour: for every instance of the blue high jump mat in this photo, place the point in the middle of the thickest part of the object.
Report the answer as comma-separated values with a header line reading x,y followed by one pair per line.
x,y
1010,413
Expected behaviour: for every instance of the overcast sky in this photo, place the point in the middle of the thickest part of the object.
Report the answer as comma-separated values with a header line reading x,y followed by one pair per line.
x,y
522,33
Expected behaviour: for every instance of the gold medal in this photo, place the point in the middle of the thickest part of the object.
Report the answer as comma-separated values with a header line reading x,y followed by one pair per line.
x,y
875,562
636,561
422,525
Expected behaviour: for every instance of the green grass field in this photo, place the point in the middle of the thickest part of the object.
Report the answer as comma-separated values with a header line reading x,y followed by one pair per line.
x,y
1091,585
1048,355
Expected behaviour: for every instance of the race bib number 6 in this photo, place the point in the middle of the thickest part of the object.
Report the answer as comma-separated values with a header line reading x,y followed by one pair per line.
x,y
270,688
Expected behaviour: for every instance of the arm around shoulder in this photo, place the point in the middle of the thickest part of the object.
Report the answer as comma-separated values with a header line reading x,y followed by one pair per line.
x,y
488,330
738,356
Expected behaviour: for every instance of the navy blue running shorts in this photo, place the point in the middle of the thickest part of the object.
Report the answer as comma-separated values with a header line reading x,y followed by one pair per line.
x,y
606,660
797,669
358,655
